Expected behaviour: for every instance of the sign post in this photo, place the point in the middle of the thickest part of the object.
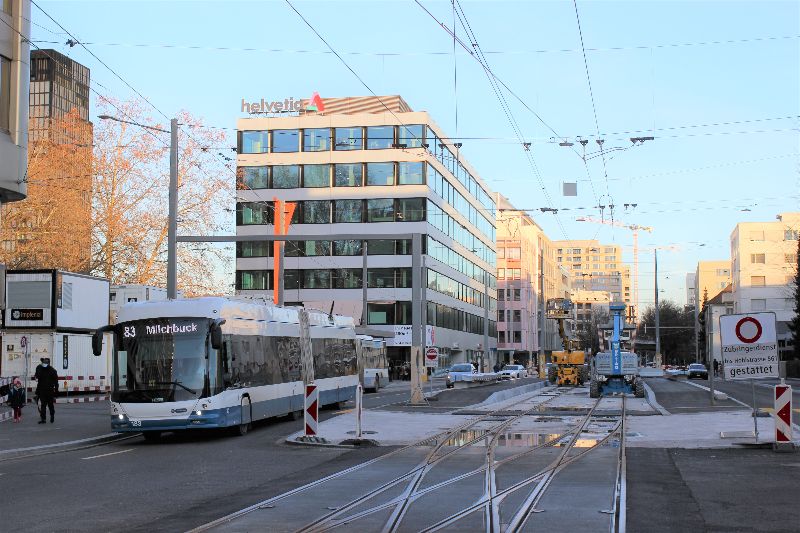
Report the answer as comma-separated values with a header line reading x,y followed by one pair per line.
x,y
749,350
431,361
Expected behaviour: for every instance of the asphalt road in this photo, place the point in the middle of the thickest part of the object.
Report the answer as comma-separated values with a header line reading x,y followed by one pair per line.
x,y
184,481
743,391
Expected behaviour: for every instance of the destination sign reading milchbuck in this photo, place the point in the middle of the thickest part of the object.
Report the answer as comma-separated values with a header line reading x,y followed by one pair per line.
x,y
749,346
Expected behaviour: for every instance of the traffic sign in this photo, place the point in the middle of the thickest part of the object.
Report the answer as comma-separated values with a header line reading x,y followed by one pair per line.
x,y
783,413
311,416
749,346
432,357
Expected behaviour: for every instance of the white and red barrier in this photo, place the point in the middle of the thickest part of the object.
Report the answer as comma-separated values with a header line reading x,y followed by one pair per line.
x,y
311,416
783,413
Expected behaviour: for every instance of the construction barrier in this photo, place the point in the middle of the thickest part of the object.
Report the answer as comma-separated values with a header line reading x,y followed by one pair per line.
x,y
783,413
311,416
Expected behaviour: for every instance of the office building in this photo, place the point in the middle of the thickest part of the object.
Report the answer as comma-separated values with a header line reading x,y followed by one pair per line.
x,y
691,287
59,86
763,263
362,166
15,30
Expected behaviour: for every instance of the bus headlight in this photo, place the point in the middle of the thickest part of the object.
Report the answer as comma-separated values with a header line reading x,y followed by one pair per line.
x,y
121,417
198,413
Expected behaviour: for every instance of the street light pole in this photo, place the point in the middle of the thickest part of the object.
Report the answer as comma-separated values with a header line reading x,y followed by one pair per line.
x,y
172,228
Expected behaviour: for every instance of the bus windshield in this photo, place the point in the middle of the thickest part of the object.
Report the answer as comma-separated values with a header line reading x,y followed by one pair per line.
x,y
161,360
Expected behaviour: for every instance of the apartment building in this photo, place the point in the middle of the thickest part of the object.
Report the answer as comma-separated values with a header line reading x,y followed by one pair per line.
x,y
691,288
596,267
763,263
360,166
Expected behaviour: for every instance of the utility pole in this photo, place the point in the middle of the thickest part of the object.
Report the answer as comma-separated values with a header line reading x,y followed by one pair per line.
x,y
658,312
172,223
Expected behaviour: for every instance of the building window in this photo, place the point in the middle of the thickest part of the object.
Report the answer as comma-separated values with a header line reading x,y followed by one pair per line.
x,y
291,279
253,177
347,247
517,337
5,89
758,258
790,258
398,313
293,249
253,280
380,278
758,305
316,248
316,212
317,279
285,176
316,140
513,253
347,278
347,211
254,142
517,294
254,249
723,272
348,139
347,175
285,141
411,135
501,315
501,273
501,294
380,137
411,209
249,213
380,210
501,337
791,234
380,173
316,176
757,281
410,173
517,316
389,247
501,253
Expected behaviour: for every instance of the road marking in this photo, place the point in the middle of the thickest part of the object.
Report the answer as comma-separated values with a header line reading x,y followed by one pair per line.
x,y
107,454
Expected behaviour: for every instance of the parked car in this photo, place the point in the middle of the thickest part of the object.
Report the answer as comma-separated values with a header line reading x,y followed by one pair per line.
x,y
513,371
457,372
697,370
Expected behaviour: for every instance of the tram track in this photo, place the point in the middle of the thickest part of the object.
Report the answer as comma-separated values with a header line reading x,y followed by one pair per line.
x,y
438,440
367,507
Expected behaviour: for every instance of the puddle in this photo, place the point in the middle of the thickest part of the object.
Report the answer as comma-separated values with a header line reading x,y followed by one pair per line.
x,y
516,439
465,436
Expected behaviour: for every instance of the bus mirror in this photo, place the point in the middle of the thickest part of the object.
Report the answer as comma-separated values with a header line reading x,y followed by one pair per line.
x,y
216,333
97,339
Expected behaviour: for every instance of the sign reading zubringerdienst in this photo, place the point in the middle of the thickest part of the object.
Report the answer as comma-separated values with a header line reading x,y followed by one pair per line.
x,y
749,346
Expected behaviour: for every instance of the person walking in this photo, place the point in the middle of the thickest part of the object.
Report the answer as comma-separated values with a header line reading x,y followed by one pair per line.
x,y
46,389
716,368
16,399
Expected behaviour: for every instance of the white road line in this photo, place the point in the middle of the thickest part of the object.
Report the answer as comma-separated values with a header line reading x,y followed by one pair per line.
x,y
107,454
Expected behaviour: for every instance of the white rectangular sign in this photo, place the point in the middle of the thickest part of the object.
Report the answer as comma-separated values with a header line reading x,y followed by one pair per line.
x,y
749,346
402,336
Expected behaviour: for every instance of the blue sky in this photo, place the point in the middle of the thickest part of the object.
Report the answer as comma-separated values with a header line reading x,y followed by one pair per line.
x,y
717,84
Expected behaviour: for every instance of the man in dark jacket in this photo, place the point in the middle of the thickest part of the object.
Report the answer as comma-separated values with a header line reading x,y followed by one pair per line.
x,y
46,388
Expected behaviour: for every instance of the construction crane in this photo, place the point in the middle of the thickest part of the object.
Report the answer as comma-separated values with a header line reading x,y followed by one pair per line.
x,y
635,228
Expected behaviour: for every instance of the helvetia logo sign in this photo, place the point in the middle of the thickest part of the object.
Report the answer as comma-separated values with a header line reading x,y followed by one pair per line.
x,y
288,105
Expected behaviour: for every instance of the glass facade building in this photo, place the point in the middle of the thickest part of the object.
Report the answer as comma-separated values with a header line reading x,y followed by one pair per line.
x,y
368,172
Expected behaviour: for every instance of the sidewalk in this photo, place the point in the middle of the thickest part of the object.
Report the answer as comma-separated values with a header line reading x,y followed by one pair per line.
x,y
76,424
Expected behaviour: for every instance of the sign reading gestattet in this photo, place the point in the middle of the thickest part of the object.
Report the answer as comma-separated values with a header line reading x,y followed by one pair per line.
x,y
749,346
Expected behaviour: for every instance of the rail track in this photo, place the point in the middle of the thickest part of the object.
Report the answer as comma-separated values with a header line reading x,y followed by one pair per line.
x,y
502,493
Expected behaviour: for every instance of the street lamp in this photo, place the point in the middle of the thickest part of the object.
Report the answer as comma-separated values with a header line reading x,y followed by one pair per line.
x,y
172,217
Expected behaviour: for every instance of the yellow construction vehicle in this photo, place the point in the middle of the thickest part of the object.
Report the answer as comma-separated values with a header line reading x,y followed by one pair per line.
x,y
568,365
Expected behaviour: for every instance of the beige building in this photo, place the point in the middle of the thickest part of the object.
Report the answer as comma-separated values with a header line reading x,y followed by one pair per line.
x,y
527,275
15,31
358,169
763,263
596,267
710,278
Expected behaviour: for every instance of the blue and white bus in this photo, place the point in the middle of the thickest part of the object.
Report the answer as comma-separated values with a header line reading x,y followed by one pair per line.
x,y
218,362
376,366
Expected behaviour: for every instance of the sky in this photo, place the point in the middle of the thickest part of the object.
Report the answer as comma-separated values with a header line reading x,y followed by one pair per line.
x,y
717,84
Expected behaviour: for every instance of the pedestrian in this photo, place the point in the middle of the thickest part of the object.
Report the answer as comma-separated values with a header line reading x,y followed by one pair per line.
x,y
46,389
716,368
497,367
16,399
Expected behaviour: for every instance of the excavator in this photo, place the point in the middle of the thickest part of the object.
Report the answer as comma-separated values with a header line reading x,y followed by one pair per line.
x,y
569,366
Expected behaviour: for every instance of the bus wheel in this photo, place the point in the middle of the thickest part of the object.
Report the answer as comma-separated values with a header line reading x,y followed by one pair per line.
x,y
241,430
152,436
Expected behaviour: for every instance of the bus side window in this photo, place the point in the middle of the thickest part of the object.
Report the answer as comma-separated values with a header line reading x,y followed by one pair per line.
x,y
226,354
